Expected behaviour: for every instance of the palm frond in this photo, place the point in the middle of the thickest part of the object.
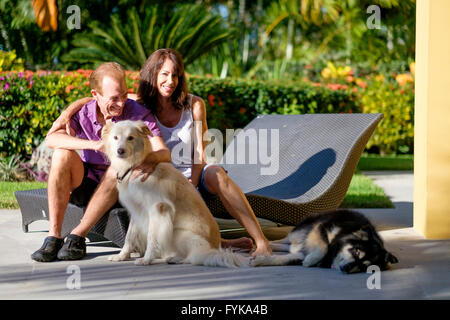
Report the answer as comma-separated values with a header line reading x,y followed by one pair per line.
x,y
191,30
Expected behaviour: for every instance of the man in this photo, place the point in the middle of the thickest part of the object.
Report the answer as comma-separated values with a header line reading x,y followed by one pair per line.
x,y
74,178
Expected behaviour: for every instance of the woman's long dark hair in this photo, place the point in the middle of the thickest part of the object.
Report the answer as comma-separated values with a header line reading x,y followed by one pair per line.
x,y
148,90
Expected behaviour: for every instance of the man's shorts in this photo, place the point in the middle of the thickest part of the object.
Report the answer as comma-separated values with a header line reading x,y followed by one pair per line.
x,y
83,193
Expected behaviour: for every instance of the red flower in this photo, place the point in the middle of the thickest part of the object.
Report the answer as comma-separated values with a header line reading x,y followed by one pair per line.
x,y
69,87
361,83
211,100
333,86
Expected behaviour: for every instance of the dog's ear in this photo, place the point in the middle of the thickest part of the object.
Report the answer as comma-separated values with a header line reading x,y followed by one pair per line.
x,y
361,234
105,133
390,258
106,129
143,129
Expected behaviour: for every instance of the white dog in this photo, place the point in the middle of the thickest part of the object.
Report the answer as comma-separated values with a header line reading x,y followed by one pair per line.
x,y
169,221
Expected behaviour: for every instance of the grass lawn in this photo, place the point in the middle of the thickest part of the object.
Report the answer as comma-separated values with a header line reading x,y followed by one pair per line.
x,y
7,189
392,162
362,193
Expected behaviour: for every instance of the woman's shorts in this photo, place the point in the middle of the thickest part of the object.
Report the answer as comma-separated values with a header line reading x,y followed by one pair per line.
x,y
202,188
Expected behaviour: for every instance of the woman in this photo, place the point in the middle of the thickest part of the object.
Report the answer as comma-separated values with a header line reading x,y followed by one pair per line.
x,y
163,89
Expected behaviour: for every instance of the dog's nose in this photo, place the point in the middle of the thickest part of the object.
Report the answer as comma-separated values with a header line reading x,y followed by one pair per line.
x,y
120,151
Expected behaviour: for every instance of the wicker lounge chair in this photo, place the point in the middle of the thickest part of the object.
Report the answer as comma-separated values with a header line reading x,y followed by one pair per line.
x,y
318,154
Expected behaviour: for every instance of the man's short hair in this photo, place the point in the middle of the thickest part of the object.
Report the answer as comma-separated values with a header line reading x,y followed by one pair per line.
x,y
111,69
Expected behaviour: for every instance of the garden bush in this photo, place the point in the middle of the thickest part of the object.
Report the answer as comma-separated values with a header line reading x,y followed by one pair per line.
x,y
233,103
395,99
31,101
10,61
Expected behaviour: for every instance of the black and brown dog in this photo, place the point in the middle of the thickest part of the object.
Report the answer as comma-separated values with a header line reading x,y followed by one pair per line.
x,y
340,239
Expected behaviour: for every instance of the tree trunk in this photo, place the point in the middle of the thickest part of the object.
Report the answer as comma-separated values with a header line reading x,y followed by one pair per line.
x,y
4,34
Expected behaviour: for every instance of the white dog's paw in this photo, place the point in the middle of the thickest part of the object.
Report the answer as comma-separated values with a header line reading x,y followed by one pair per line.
x,y
310,261
118,257
260,261
142,262
175,260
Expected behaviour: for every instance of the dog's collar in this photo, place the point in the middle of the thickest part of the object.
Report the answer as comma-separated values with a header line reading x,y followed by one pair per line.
x,y
119,179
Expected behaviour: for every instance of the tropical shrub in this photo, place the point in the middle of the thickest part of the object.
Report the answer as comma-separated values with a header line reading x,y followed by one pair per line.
x,y
10,61
8,168
233,103
190,29
395,99
30,102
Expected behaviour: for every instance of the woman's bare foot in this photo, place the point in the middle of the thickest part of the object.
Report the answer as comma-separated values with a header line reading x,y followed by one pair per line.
x,y
242,243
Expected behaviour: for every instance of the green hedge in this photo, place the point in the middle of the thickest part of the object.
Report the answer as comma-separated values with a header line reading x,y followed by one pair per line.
x,y
233,103
395,133
30,102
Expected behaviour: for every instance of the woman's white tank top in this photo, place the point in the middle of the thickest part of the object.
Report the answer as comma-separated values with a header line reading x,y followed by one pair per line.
x,y
178,140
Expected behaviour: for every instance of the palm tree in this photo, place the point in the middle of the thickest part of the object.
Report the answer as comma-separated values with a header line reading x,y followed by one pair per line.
x,y
191,30
342,22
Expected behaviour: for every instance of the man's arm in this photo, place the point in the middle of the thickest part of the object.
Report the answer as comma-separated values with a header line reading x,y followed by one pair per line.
x,y
133,96
63,120
61,140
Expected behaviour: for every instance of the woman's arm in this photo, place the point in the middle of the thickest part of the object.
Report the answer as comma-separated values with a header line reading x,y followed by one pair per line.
x,y
200,127
63,120
160,153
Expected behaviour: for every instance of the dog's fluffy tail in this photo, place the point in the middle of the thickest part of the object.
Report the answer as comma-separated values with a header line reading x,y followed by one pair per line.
x,y
219,258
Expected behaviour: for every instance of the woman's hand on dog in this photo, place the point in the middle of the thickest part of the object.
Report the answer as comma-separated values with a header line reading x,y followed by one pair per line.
x,y
194,183
144,170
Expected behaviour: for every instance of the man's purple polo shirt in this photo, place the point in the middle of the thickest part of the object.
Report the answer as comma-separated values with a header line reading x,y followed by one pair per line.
x,y
85,125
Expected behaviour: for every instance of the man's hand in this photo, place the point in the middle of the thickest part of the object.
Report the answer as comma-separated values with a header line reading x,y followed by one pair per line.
x,y
61,123
99,146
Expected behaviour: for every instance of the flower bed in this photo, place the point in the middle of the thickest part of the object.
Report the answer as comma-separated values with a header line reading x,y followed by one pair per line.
x,y
31,101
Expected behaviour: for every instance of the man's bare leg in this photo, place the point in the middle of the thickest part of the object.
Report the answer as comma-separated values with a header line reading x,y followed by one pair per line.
x,y
66,174
104,197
